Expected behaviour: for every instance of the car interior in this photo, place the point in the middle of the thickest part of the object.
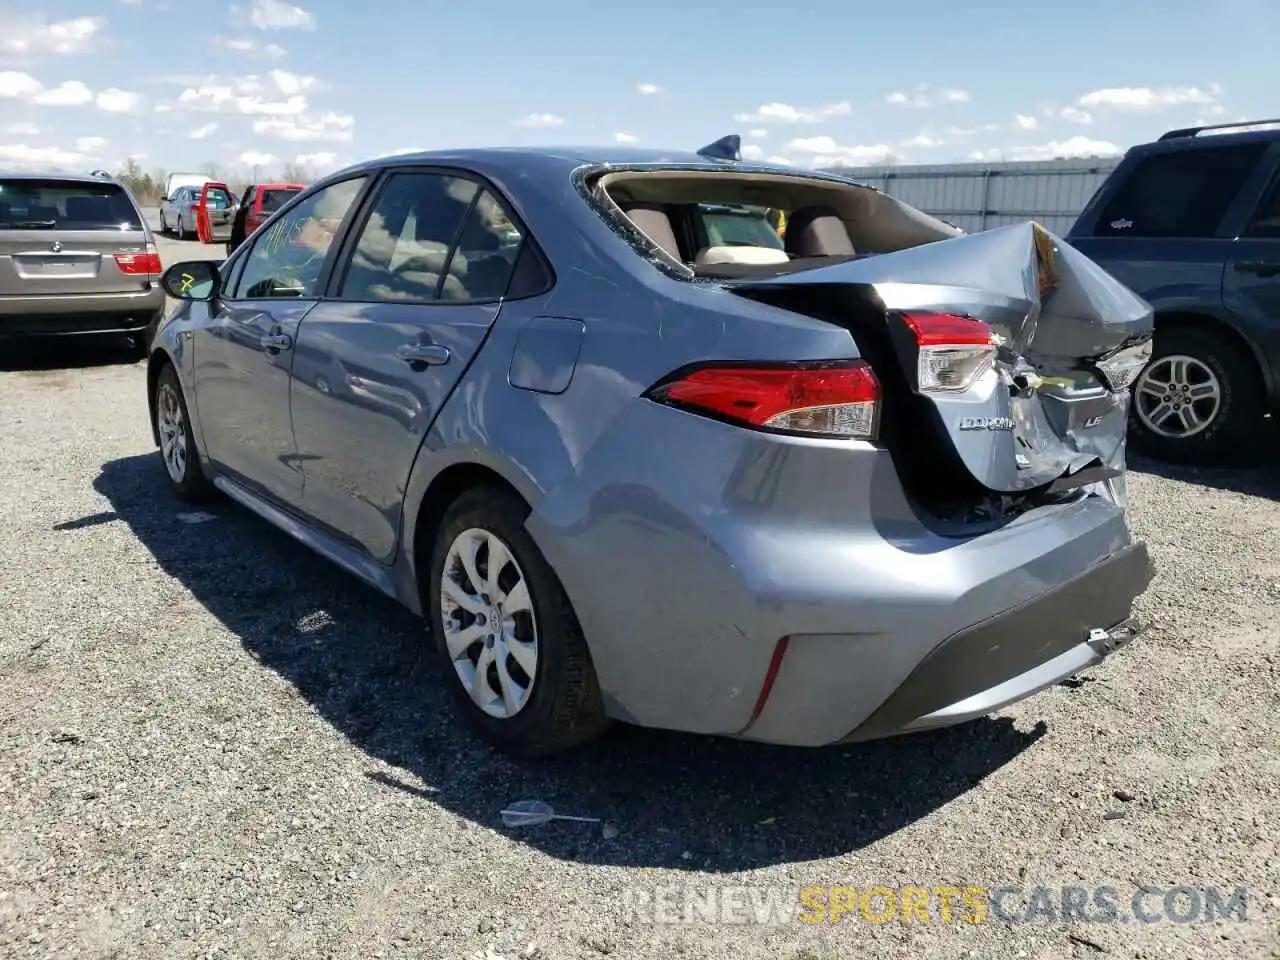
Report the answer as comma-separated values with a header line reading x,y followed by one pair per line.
x,y
826,221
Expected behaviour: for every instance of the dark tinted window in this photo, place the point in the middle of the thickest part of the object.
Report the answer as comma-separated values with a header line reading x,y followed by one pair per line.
x,y
288,258
403,248
273,200
1266,220
1181,194
65,205
486,254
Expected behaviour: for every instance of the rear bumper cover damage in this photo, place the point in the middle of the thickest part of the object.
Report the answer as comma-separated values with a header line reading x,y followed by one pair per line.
x,y
1020,652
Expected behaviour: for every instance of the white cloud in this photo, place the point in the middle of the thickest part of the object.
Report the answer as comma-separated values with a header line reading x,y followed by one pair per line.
x,y
256,158
1076,115
648,88
825,152
1073,147
1024,122
752,152
785,113
323,159
782,161
922,98
280,15
625,138
922,140
759,133
18,86
32,36
91,146
249,95
251,48
332,126
72,93
1149,99
293,83
20,155
115,100
540,120
21,129
203,132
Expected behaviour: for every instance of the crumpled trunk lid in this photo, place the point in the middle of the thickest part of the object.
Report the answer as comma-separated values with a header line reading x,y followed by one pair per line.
x,y
1048,409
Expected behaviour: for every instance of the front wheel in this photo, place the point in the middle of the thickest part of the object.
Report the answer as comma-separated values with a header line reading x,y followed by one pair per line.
x,y
1198,401
177,442
511,647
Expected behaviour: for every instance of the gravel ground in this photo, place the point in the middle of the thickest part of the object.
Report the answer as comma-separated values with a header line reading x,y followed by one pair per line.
x,y
213,744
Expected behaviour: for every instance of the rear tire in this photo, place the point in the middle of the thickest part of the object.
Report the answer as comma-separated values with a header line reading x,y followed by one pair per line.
x,y
555,704
1200,400
164,227
177,442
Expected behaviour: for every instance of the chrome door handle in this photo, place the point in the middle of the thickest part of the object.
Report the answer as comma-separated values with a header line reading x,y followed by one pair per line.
x,y
276,341
430,354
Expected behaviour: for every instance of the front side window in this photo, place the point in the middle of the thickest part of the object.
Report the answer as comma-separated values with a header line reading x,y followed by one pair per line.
x,y
1184,194
1266,220
288,258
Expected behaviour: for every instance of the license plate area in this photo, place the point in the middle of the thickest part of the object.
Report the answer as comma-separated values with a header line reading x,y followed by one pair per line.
x,y
57,266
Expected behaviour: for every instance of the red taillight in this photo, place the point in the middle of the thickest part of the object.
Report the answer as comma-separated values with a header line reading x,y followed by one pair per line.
x,y
828,398
954,352
195,207
140,264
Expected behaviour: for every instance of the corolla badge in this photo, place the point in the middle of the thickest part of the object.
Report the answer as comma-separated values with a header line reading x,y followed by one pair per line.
x,y
986,423
56,246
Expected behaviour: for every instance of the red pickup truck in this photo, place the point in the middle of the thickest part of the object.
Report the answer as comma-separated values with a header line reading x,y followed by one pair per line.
x,y
259,202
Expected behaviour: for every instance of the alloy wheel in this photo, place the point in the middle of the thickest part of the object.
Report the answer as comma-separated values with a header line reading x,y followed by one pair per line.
x,y
490,629
171,425
1177,396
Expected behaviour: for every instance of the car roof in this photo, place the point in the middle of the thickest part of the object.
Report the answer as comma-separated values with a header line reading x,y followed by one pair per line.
x,y
1223,134
278,185
522,160
55,175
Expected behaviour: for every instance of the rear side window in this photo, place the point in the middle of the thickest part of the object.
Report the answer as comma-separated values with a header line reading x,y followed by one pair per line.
x,y
1266,220
273,200
1181,194
219,199
65,205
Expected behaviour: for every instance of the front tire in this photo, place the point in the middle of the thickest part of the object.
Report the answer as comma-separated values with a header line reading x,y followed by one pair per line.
x,y
508,639
177,442
1199,401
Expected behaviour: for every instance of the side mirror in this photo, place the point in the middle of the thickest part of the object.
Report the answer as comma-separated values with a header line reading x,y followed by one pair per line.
x,y
191,280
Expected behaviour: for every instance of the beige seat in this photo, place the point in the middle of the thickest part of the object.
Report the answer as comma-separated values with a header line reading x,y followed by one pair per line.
x,y
818,232
711,256
652,220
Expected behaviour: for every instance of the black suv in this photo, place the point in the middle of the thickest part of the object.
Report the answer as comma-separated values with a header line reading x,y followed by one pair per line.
x,y
1192,224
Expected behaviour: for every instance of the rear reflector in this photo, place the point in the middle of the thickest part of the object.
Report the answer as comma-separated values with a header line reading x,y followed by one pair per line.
x,y
954,351
823,399
140,264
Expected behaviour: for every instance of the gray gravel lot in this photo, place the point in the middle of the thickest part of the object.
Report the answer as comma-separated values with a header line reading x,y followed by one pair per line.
x,y
213,744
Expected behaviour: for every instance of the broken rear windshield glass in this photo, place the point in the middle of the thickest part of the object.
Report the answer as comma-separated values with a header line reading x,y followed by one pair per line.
x,y
52,204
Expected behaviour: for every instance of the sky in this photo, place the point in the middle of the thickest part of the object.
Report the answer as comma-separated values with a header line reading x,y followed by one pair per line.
x,y
178,85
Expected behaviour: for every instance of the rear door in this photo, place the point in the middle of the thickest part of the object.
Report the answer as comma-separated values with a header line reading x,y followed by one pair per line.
x,y
71,237
244,353
413,300
1251,282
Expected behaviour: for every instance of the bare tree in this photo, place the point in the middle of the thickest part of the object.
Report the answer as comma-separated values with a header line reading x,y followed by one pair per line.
x,y
296,173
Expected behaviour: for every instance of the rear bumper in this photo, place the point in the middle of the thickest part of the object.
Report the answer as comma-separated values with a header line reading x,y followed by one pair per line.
x,y
83,314
1009,657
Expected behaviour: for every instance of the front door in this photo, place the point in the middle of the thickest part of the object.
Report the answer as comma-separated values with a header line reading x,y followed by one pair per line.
x,y
1251,283
245,354
411,303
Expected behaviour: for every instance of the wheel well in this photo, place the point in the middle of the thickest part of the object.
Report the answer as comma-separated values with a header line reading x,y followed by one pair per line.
x,y
155,364
1212,325
452,483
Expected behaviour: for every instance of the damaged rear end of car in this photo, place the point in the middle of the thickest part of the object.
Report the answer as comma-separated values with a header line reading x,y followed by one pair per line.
x,y
922,515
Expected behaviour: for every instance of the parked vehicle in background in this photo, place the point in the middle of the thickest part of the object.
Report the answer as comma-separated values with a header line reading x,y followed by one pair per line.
x,y
1191,222
76,257
259,202
174,181
178,213
867,483
215,211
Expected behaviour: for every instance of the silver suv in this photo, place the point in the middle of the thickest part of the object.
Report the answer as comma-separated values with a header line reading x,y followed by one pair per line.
x,y
76,257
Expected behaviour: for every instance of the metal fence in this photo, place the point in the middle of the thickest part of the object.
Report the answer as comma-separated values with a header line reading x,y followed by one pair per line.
x,y
979,196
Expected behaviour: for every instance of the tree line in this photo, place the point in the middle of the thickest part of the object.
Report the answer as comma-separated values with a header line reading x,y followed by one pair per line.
x,y
147,187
